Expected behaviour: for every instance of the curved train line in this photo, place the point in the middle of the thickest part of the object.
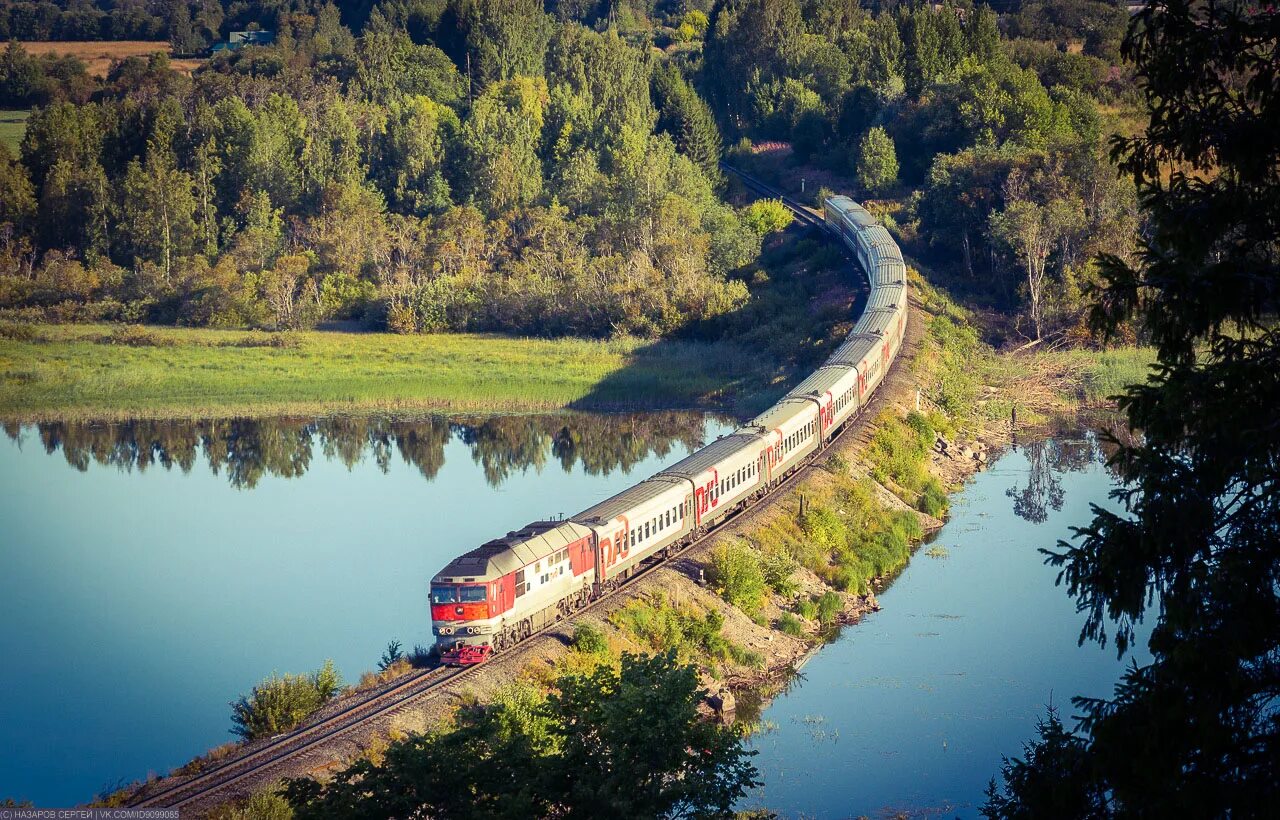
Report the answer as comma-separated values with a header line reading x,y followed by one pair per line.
x,y
505,590
277,751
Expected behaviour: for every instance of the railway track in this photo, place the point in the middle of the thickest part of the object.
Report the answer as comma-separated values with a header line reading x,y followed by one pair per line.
x,y
259,762
802,213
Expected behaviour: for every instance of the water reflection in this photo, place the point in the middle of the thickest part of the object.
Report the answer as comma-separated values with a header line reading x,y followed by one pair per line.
x,y
180,589
248,449
1047,461
908,713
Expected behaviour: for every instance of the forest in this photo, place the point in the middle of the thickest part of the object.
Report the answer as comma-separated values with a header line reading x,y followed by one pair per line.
x,y
501,165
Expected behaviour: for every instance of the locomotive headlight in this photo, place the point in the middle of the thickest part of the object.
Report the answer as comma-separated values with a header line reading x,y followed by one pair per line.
x,y
473,630
446,630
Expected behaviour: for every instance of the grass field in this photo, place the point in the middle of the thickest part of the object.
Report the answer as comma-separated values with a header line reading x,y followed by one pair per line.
x,y
73,372
99,55
1106,373
13,124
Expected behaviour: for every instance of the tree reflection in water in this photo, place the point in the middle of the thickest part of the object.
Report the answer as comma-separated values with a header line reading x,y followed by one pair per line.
x,y
248,449
1047,461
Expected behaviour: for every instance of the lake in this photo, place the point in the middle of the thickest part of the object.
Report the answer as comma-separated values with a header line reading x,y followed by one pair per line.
x,y
155,571
910,711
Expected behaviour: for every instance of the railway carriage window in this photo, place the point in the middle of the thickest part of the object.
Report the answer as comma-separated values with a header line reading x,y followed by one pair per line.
x,y
646,529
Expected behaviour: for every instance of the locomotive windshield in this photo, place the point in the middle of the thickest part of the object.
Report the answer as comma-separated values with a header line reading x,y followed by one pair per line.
x,y
453,595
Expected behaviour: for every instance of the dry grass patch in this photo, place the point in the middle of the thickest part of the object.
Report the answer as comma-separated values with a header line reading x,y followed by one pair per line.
x,y
98,56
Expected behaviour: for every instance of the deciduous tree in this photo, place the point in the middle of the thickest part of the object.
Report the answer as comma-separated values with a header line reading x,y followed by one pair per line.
x,y
627,742
877,161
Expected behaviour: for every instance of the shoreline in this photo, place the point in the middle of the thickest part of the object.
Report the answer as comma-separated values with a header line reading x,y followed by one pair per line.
x,y
675,582
121,372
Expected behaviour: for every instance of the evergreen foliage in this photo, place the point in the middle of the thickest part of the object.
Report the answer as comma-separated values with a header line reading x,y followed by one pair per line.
x,y
1193,543
684,115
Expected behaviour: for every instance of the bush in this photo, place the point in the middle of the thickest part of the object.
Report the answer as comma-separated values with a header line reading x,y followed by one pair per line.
x,y
765,216
280,703
277,340
589,640
396,669
824,528
829,607
778,566
265,805
807,609
423,655
391,656
923,428
737,576
19,332
691,634
933,500
790,624
133,336
838,464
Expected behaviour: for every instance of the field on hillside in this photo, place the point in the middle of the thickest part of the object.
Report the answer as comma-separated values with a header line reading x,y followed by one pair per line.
x,y
106,371
13,124
99,55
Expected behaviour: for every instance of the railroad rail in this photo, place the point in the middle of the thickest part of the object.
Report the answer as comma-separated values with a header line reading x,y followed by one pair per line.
x,y
418,685
802,213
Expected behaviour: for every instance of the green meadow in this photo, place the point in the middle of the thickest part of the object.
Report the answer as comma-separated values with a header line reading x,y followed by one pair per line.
x,y
13,124
106,371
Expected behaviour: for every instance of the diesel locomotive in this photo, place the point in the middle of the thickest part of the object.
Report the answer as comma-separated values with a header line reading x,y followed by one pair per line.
x,y
509,588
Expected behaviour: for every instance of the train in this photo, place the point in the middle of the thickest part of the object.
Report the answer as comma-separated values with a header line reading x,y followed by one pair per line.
x,y
507,589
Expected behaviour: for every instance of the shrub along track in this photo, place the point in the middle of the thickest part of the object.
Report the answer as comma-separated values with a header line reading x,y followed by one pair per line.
x,y
262,762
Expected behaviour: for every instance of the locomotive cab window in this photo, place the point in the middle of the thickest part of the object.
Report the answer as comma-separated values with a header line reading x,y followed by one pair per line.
x,y
444,595
472,594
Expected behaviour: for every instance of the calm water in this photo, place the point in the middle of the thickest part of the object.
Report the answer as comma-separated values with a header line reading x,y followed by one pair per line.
x,y
152,572
910,710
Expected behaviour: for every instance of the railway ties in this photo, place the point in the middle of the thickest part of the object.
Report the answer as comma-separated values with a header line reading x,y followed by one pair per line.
x,y
285,746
